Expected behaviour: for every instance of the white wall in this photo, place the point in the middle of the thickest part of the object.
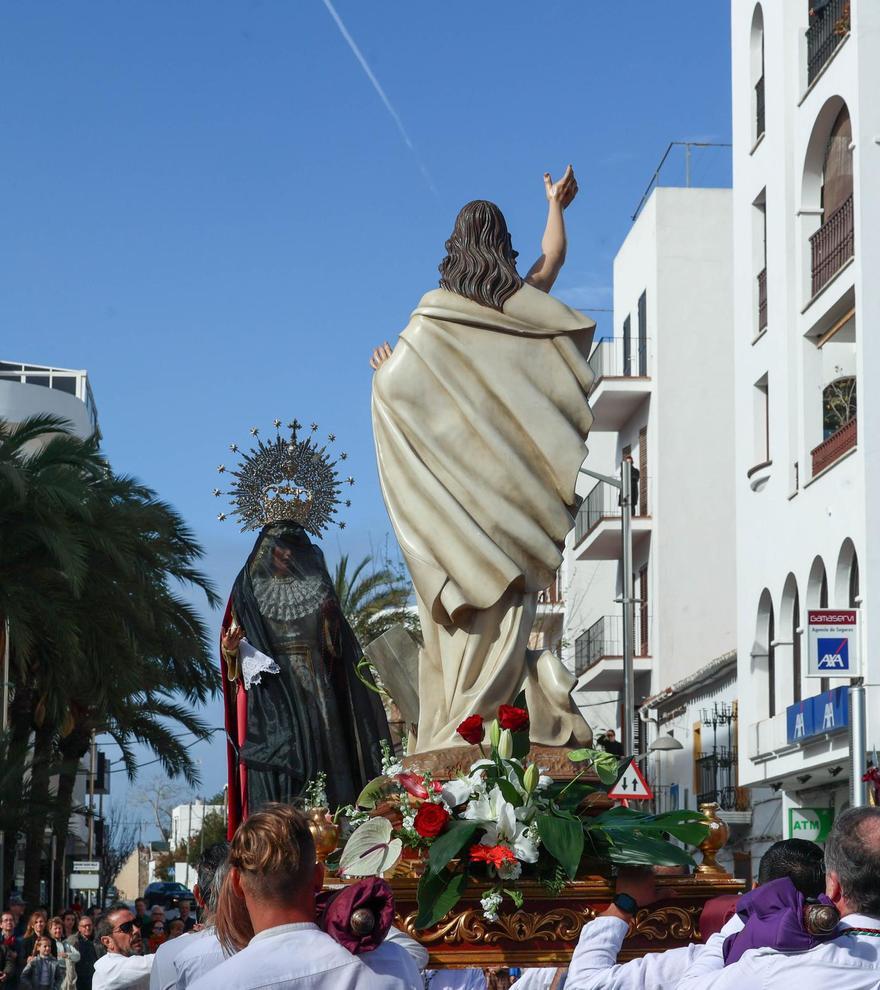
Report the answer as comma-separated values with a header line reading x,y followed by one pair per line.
x,y
786,518
18,401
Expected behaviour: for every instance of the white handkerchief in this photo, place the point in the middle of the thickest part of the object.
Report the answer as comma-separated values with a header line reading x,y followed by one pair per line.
x,y
254,664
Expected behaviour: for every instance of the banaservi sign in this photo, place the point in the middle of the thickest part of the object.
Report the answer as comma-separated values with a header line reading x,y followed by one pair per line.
x,y
810,823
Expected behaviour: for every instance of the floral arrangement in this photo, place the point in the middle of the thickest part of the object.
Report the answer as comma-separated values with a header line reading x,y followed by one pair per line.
x,y
503,819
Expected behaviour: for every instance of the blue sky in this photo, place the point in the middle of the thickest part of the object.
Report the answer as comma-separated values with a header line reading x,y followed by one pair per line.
x,y
208,206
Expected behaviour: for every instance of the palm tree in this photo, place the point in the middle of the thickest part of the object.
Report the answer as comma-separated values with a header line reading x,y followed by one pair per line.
x,y
45,473
374,600
91,568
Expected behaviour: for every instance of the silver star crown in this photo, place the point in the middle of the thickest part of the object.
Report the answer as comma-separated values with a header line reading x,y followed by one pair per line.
x,y
285,478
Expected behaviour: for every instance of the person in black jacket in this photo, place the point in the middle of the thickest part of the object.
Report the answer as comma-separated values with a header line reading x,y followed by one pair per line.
x,y
84,943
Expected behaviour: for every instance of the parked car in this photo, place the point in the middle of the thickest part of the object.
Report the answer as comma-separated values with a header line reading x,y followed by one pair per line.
x,y
168,894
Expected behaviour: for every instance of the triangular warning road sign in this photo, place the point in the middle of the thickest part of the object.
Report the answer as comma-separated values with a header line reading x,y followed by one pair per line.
x,y
631,785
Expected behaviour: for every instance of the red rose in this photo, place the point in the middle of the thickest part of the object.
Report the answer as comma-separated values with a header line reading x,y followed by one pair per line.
x,y
471,729
430,820
515,719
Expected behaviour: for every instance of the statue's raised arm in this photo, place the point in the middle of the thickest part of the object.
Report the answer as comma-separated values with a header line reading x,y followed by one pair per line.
x,y
545,270
480,416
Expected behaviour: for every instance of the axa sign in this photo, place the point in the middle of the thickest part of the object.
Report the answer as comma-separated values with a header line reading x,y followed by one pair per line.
x,y
833,642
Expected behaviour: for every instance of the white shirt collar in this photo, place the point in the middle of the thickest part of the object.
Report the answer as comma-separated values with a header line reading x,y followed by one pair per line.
x,y
860,921
295,926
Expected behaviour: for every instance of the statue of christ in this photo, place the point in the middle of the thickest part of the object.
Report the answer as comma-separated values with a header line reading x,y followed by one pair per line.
x,y
480,416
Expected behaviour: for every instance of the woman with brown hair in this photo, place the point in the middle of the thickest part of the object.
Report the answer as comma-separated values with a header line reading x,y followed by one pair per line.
x,y
37,927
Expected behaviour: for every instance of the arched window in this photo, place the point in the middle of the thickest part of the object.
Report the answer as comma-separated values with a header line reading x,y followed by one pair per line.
x,y
837,170
756,45
797,667
828,186
764,657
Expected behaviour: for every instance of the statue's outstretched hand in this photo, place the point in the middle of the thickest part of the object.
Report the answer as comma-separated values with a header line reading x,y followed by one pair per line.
x,y
380,356
563,191
231,639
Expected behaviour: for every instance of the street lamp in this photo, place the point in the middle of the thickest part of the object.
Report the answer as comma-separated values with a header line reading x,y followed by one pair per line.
x,y
664,743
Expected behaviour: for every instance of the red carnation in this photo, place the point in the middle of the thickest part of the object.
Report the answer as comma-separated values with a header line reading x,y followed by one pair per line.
x,y
430,820
496,856
471,729
515,719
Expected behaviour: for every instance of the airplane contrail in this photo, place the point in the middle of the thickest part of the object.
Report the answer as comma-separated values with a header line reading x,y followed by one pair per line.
x,y
395,116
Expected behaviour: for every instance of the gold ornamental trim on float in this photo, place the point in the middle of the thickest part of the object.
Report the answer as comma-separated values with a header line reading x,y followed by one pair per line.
x,y
546,929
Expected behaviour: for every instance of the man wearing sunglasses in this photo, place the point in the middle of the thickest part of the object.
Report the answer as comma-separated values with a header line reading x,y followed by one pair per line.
x,y
123,967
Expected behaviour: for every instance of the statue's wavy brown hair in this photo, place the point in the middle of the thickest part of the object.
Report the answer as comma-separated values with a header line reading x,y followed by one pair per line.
x,y
480,262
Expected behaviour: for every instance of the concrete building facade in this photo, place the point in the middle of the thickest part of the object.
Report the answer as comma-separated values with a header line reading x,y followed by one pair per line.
x,y
806,157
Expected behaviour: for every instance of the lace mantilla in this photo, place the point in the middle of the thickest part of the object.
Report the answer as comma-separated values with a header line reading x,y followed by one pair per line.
x,y
290,598
254,664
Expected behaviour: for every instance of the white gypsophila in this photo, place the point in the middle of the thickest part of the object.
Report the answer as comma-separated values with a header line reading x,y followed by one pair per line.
x,y
490,903
409,821
510,871
393,769
544,782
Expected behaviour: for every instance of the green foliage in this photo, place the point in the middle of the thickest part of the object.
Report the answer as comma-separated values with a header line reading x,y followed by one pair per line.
x,y
564,840
448,845
606,765
92,571
438,893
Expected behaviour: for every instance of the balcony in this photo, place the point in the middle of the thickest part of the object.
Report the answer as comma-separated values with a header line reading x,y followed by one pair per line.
x,y
597,526
832,245
835,446
762,300
598,653
828,27
620,381
759,108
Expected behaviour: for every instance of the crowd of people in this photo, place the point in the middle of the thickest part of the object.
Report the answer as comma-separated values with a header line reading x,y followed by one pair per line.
x,y
38,951
259,929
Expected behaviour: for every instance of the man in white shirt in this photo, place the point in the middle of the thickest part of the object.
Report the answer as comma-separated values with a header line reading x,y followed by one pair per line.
x,y
272,870
594,964
850,960
122,967
211,866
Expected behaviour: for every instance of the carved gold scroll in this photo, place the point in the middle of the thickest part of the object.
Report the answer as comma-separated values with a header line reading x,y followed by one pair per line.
x,y
545,930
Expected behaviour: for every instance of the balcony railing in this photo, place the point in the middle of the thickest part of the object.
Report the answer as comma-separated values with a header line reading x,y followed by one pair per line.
x,y
74,383
759,108
717,775
603,502
827,29
832,245
835,446
604,639
619,357
762,300
551,595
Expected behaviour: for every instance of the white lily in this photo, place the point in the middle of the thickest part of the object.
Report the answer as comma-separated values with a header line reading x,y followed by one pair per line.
x,y
456,792
503,826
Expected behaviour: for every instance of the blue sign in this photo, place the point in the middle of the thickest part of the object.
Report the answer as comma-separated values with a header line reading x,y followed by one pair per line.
x,y
833,654
826,712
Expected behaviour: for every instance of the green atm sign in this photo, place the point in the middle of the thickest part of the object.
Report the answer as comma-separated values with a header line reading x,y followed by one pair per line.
x,y
810,823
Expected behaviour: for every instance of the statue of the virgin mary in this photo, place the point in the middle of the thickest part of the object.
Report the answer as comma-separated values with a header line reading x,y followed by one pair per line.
x,y
479,418
296,705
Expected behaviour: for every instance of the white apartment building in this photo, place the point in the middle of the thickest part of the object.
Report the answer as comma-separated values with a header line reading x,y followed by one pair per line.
x,y
35,389
663,393
187,820
806,154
